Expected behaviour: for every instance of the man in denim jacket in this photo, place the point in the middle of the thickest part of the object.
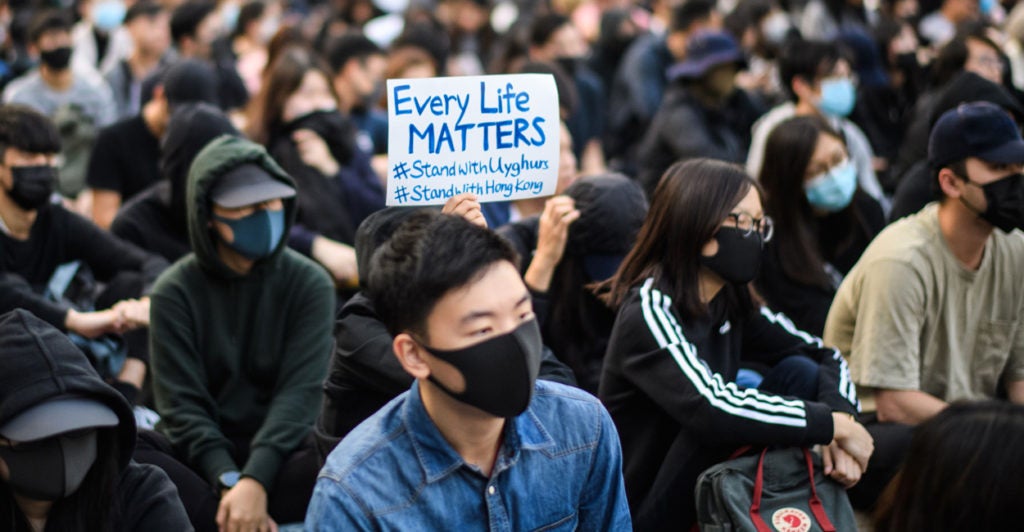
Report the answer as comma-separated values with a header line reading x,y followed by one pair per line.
x,y
477,442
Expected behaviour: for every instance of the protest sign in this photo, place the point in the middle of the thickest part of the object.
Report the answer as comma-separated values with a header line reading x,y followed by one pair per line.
x,y
494,136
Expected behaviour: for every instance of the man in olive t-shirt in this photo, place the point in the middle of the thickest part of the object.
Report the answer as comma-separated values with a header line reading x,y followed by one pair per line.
x,y
932,313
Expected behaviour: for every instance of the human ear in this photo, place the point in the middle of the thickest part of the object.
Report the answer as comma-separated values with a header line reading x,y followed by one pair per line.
x,y
802,89
710,248
410,356
949,183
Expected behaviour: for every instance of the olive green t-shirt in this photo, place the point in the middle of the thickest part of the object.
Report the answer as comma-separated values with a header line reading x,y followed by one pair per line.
x,y
909,316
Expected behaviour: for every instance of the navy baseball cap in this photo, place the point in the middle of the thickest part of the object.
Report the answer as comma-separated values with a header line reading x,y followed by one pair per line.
x,y
705,51
976,129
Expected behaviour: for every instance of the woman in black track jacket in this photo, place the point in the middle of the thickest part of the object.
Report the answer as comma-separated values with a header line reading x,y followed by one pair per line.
x,y
686,322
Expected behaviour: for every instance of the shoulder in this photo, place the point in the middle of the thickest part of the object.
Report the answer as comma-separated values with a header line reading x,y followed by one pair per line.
x,y
774,117
180,280
22,84
1009,246
853,133
303,271
150,499
556,403
906,240
377,445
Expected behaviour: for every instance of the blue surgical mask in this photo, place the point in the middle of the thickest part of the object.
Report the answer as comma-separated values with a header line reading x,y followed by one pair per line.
x,y
833,190
108,15
838,96
256,235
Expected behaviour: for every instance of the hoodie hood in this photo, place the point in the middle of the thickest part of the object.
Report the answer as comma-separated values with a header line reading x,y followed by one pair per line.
x,y
41,364
221,155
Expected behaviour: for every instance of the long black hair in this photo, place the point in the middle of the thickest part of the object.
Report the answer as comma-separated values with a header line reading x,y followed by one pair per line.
x,y
963,472
93,507
688,206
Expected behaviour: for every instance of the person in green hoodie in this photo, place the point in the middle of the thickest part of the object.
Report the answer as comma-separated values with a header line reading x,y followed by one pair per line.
x,y
240,338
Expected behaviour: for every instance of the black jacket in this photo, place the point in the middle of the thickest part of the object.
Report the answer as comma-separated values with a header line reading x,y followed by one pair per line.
x,y
364,373
669,386
147,221
684,128
841,240
41,364
59,236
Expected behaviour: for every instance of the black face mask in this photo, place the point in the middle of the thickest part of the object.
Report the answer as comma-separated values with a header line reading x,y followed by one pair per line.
x,y
56,59
499,372
50,469
32,186
1005,200
336,130
906,61
739,255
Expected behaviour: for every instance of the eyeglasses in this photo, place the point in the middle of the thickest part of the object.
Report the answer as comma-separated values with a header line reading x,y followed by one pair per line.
x,y
748,224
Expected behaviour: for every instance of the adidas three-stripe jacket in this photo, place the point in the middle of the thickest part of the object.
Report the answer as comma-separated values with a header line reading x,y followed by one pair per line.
x,y
669,385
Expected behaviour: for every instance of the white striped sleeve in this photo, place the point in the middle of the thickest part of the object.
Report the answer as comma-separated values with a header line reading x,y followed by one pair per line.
x,y
847,390
726,396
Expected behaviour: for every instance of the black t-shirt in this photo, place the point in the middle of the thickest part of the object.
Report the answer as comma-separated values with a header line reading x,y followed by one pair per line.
x,y
57,237
124,158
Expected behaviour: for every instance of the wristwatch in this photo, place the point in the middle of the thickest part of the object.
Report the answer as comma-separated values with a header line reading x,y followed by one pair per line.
x,y
228,479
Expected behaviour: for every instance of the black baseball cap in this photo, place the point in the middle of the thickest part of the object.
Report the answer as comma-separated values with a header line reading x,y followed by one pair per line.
x,y
248,184
976,129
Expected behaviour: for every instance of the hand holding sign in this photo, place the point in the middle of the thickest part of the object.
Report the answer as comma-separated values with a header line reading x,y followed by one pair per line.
x,y
492,136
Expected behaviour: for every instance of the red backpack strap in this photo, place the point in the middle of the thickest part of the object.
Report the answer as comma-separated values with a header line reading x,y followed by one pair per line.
x,y
817,508
755,504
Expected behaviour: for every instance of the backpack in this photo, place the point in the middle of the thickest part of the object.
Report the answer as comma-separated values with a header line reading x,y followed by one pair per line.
x,y
780,490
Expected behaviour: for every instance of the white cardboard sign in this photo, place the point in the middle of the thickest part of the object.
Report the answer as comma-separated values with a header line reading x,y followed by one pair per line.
x,y
494,136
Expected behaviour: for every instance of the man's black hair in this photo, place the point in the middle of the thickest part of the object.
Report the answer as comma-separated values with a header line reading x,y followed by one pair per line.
x,y
807,60
687,13
143,8
47,21
348,47
959,169
28,130
429,36
429,255
545,26
187,17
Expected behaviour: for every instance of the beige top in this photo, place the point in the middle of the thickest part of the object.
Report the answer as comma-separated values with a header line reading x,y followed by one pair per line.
x,y
909,316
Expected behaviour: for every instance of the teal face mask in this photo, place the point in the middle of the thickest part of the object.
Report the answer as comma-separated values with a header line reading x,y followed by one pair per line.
x,y
256,235
833,190
838,96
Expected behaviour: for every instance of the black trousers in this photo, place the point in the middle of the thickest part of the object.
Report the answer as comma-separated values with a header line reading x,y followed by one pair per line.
x,y
891,443
287,498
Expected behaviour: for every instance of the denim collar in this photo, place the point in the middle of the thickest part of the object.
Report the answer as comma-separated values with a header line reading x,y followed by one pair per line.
x,y
438,459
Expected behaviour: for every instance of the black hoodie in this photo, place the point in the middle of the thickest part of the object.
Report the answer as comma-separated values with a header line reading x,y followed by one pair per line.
x,y
40,364
155,219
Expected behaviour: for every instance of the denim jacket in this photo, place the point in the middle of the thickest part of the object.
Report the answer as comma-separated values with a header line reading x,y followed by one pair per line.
x,y
559,468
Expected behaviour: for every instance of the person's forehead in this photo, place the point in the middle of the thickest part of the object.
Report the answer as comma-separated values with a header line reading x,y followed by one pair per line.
x,y
497,289
54,34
